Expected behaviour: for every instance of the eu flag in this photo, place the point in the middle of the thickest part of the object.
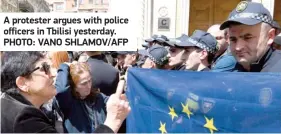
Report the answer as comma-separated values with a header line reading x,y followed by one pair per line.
x,y
203,102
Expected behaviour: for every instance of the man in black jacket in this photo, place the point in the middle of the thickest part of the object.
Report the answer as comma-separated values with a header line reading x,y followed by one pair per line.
x,y
104,76
251,34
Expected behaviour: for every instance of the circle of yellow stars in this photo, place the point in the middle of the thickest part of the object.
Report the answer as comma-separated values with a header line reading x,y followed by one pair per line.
x,y
185,109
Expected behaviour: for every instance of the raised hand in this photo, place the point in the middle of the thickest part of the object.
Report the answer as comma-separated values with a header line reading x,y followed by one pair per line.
x,y
117,108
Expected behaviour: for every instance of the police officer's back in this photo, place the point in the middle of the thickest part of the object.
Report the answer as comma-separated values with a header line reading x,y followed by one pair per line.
x,y
104,76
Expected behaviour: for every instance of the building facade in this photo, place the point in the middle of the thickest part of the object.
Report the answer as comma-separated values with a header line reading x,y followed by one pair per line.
x,y
24,6
175,17
8,6
95,6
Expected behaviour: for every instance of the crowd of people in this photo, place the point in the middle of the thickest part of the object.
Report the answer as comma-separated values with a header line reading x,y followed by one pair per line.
x,y
84,92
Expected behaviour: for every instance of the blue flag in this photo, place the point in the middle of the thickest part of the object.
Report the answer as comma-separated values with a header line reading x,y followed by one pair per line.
x,y
203,102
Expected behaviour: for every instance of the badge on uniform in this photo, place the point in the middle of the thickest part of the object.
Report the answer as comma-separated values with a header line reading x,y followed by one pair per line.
x,y
265,97
207,105
241,6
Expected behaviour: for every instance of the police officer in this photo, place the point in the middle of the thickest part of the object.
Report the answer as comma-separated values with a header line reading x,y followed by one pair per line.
x,y
251,36
200,50
105,77
128,58
157,58
277,27
143,54
175,52
224,60
156,39
145,45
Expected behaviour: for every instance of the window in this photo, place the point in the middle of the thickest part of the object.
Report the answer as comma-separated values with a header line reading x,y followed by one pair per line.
x,y
59,6
97,2
75,3
105,2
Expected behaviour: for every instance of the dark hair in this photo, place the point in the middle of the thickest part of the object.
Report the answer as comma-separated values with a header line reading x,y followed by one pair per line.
x,y
210,56
17,64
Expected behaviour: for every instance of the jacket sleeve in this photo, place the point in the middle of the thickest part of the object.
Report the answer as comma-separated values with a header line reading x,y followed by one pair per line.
x,y
103,129
32,120
225,64
64,96
105,98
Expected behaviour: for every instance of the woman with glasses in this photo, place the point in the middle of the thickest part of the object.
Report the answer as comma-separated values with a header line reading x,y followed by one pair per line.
x,y
27,83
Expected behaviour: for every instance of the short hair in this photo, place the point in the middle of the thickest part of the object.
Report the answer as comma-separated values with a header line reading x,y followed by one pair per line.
x,y
17,64
210,56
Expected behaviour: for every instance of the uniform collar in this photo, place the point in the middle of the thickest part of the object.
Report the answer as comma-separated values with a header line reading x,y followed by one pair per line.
x,y
258,66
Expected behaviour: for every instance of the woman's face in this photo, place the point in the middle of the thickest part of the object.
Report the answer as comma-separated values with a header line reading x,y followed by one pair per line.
x,y
83,87
41,81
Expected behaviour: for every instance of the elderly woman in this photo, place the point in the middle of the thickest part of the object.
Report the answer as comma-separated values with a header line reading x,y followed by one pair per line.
x,y
27,83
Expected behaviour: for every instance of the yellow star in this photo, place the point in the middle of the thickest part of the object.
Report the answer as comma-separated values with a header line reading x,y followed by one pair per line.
x,y
186,110
172,113
162,128
210,125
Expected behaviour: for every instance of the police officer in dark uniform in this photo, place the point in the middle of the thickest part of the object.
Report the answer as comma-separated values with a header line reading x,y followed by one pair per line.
x,y
200,50
157,58
156,39
175,52
105,77
130,60
251,37
143,54
145,45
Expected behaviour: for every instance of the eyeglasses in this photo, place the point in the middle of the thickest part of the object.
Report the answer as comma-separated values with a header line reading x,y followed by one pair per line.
x,y
44,67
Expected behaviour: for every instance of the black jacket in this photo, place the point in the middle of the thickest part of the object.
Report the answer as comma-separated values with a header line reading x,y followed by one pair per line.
x,y
18,115
179,67
105,77
270,62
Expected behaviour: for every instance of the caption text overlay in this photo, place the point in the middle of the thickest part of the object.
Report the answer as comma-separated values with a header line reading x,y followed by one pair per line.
x,y
67,31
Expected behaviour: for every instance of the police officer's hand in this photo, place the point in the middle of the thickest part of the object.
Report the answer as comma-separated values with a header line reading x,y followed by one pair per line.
x,y
117,108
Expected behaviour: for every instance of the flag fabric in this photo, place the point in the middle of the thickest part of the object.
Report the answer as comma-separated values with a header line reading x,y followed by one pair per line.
x,y
203,102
